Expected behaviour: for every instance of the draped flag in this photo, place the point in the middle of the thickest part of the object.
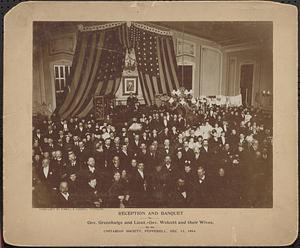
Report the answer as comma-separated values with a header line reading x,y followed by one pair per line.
x,y
96,70
156,63
99,61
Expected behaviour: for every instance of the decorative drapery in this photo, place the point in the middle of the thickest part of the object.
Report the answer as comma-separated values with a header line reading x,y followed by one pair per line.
x,y
99,60
157,66
96,70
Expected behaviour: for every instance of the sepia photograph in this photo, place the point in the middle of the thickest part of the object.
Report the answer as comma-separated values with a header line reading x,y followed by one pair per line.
x,y
150,123
152,114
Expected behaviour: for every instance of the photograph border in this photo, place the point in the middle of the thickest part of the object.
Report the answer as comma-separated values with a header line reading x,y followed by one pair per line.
x,y
231,227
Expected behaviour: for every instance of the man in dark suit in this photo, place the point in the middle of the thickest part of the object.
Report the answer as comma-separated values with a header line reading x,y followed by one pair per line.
x,y
205,152
233,139
181,122
73,163
135,143
131,100
166,149
125,157
47,174
64,199
201,195
116,166
89,170
80,131
174,122
83,152
92,194
139,187
164,122
173,133
187,153
158,183
60,164
107,150
37,135
154,136
116,147
197,159
180,196
221,189
49,147
153,157
143,154
171,172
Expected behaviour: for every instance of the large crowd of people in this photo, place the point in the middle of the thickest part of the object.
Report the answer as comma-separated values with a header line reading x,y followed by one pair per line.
x,y
155,157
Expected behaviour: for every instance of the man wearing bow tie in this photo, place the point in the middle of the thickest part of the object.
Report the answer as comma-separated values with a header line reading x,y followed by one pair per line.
x,y
73,163
201,196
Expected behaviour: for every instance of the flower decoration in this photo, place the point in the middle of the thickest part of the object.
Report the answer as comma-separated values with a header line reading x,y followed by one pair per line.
x,y
171,100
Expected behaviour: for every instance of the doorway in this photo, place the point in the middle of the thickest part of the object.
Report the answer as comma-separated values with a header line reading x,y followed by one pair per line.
x,y
246,83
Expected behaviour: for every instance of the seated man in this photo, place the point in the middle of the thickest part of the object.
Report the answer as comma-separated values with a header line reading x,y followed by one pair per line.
x,y
92,194
64,199
179,197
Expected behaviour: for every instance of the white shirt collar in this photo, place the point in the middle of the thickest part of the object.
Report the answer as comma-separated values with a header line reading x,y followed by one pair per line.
x,y
202,179
141,173
46,171
65,195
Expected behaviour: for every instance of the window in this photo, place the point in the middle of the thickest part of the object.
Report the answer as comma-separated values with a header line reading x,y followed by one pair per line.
x,y
185,76
61,74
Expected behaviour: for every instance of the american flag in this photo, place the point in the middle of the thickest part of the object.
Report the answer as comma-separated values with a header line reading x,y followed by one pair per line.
x,y
156,63
97,70
111,62
99,61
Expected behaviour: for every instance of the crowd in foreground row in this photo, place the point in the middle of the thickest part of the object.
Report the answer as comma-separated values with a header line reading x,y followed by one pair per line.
x,y
155,159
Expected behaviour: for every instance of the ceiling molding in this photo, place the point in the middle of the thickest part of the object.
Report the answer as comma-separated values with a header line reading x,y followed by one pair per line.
x,y
242,47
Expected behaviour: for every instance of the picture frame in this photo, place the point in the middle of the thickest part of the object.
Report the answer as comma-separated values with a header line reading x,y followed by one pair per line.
x,y
184,47
130,85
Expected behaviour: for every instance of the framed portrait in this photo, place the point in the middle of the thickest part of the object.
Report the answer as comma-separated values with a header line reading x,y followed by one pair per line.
x,y
130,85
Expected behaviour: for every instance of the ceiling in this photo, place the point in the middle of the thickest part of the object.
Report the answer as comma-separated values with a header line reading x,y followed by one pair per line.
x,y
223,33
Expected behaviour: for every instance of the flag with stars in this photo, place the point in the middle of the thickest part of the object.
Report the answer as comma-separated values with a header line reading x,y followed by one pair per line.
x,y
156,63
96,70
